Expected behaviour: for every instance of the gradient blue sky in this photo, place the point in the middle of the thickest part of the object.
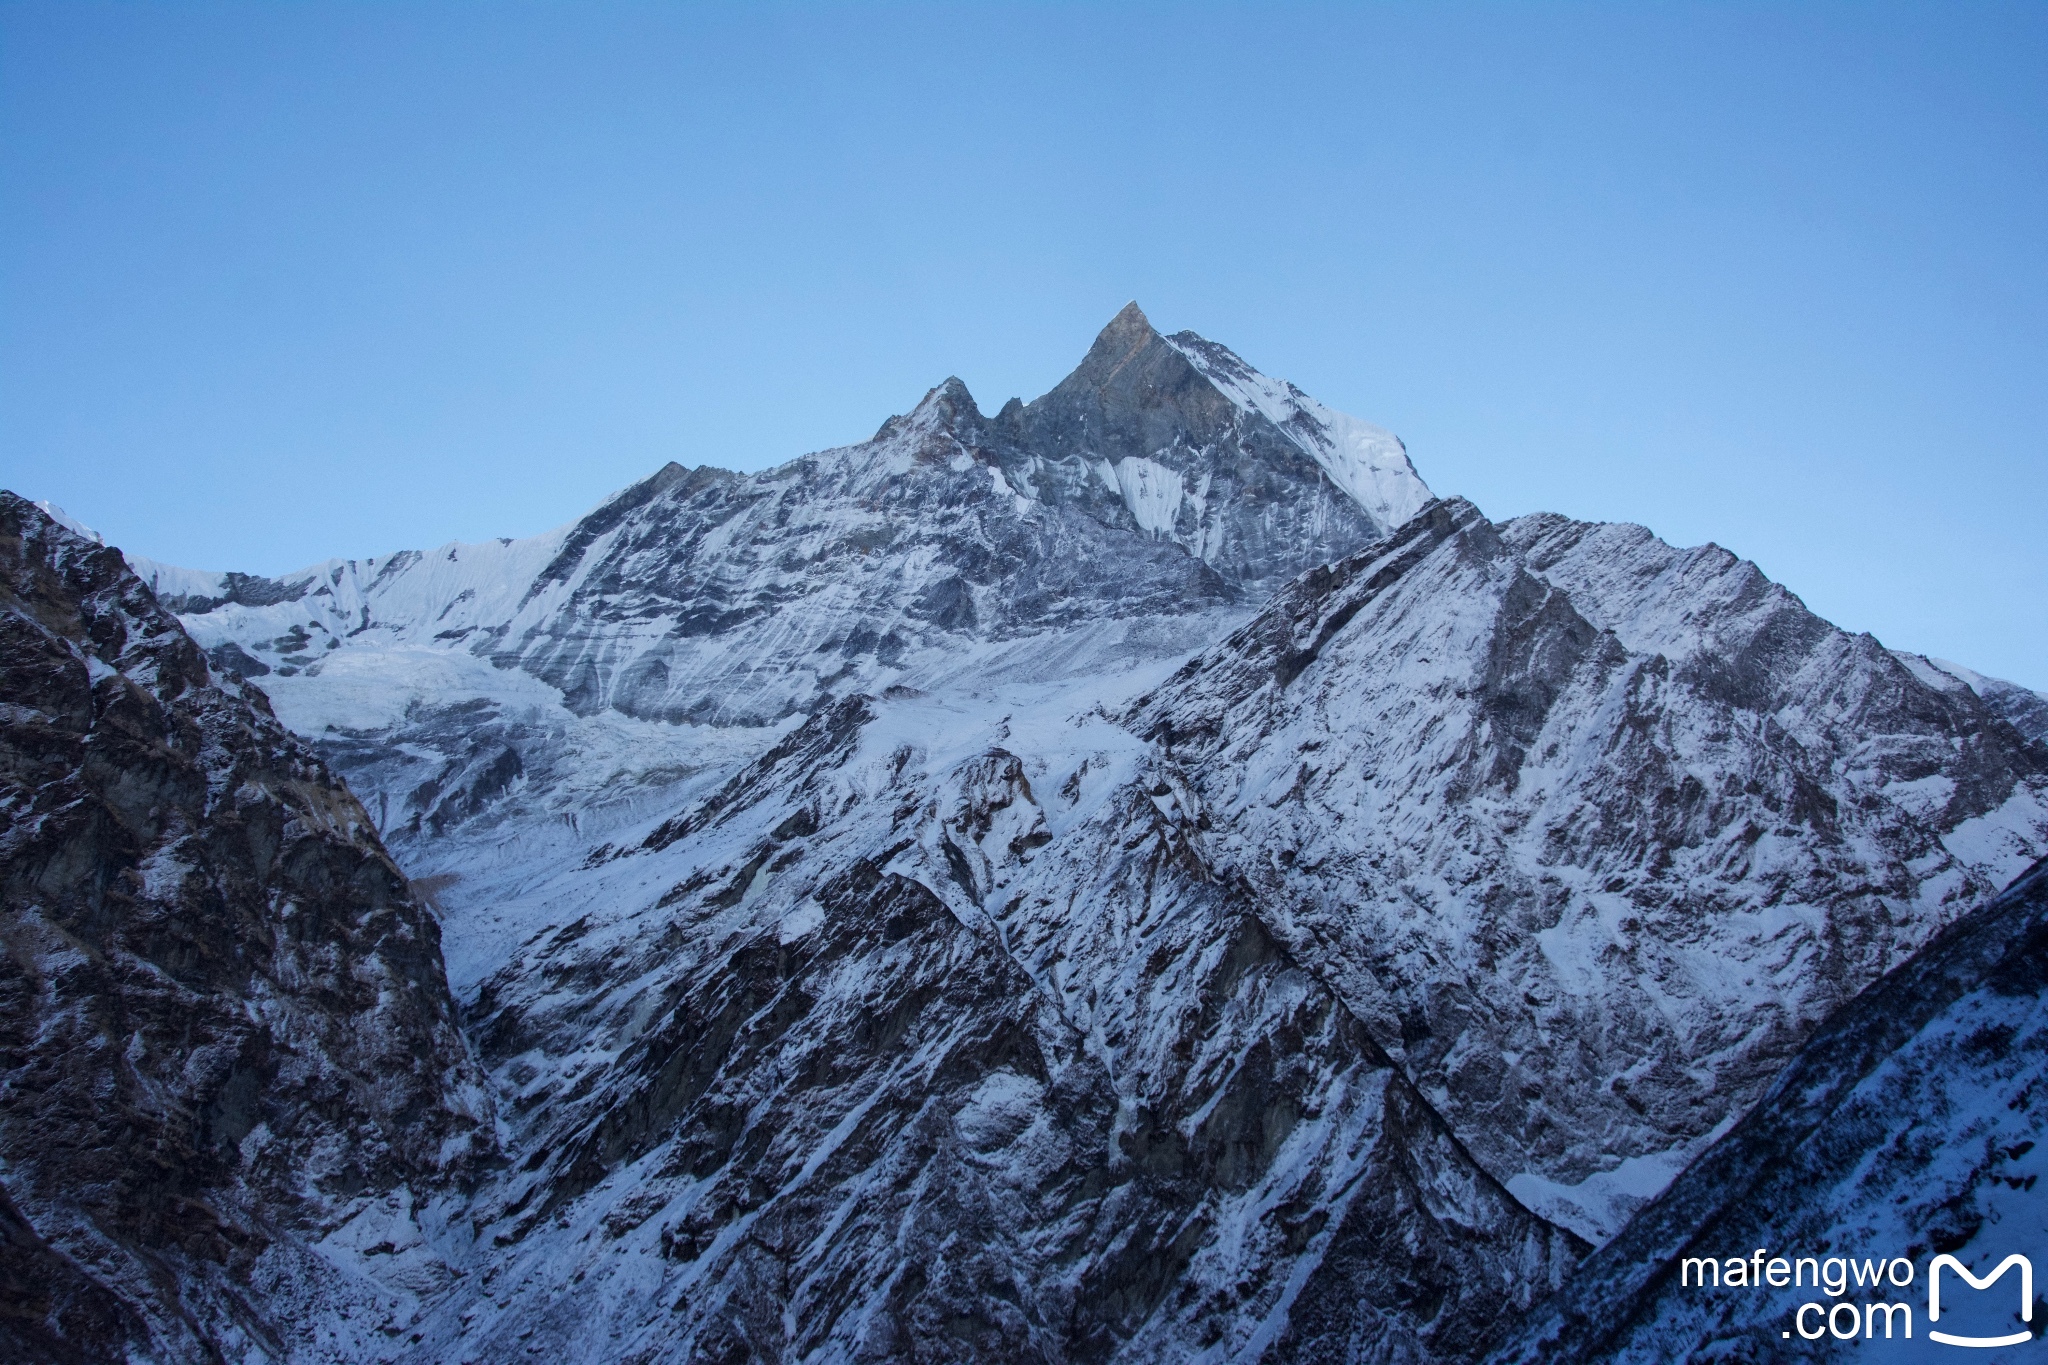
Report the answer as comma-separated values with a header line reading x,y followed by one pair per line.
x,y
281,282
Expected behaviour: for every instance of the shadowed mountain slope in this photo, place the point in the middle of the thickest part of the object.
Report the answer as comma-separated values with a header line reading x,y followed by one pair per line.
x,y
225,1030
1912,1123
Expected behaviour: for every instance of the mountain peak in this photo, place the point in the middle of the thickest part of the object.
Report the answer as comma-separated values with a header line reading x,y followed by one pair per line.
x,y
951,390
1127,332
944,405
948,402
1130,319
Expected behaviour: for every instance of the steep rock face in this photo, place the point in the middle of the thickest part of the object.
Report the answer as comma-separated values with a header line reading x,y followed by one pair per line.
x,y
1591,831
872,1054
1913,1124
225,1028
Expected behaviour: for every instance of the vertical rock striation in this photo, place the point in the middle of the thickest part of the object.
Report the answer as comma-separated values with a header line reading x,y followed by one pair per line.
x,y
224,1023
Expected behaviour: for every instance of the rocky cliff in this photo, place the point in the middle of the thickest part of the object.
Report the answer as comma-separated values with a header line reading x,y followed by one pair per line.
x,y
226,1035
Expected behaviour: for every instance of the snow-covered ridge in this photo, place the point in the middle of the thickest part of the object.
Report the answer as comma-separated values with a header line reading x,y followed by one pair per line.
x,y
1368,463
2023,708
173,583
469,581
69,522
1518,784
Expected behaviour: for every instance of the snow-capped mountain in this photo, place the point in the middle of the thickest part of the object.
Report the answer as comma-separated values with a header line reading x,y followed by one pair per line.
x,y
1163,479
1590,831
1131,877
1158,493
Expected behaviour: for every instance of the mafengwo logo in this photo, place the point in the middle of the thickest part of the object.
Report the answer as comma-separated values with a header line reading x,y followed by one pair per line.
x,y
2012,1262
1872,1299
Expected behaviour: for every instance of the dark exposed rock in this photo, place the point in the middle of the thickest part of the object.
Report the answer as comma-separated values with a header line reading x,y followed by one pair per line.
x,y
242,589
52,1308
224,1021
231,660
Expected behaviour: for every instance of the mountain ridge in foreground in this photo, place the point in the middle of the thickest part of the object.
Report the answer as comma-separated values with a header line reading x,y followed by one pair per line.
x,y
224,1020
1133,877
1911,1124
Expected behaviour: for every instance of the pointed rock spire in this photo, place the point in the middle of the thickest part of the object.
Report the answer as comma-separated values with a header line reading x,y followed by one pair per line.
x,y
1130,322
949,401
948,405
1129,330
1127,334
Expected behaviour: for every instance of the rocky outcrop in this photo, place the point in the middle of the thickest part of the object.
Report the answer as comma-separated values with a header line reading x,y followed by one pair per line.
x,y
225,1028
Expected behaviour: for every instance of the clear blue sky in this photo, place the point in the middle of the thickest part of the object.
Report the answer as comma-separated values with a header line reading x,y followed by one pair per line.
x,y
280,282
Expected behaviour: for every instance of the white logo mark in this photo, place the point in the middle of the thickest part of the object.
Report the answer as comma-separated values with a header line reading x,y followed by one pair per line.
x,y
2026,1298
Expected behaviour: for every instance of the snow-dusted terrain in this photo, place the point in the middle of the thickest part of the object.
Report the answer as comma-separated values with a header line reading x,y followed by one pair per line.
x,y
1133,877
1592,831
1912,1125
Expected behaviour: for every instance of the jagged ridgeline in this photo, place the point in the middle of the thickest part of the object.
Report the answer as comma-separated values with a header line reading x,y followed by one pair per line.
x,y
1162,479
1130,878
